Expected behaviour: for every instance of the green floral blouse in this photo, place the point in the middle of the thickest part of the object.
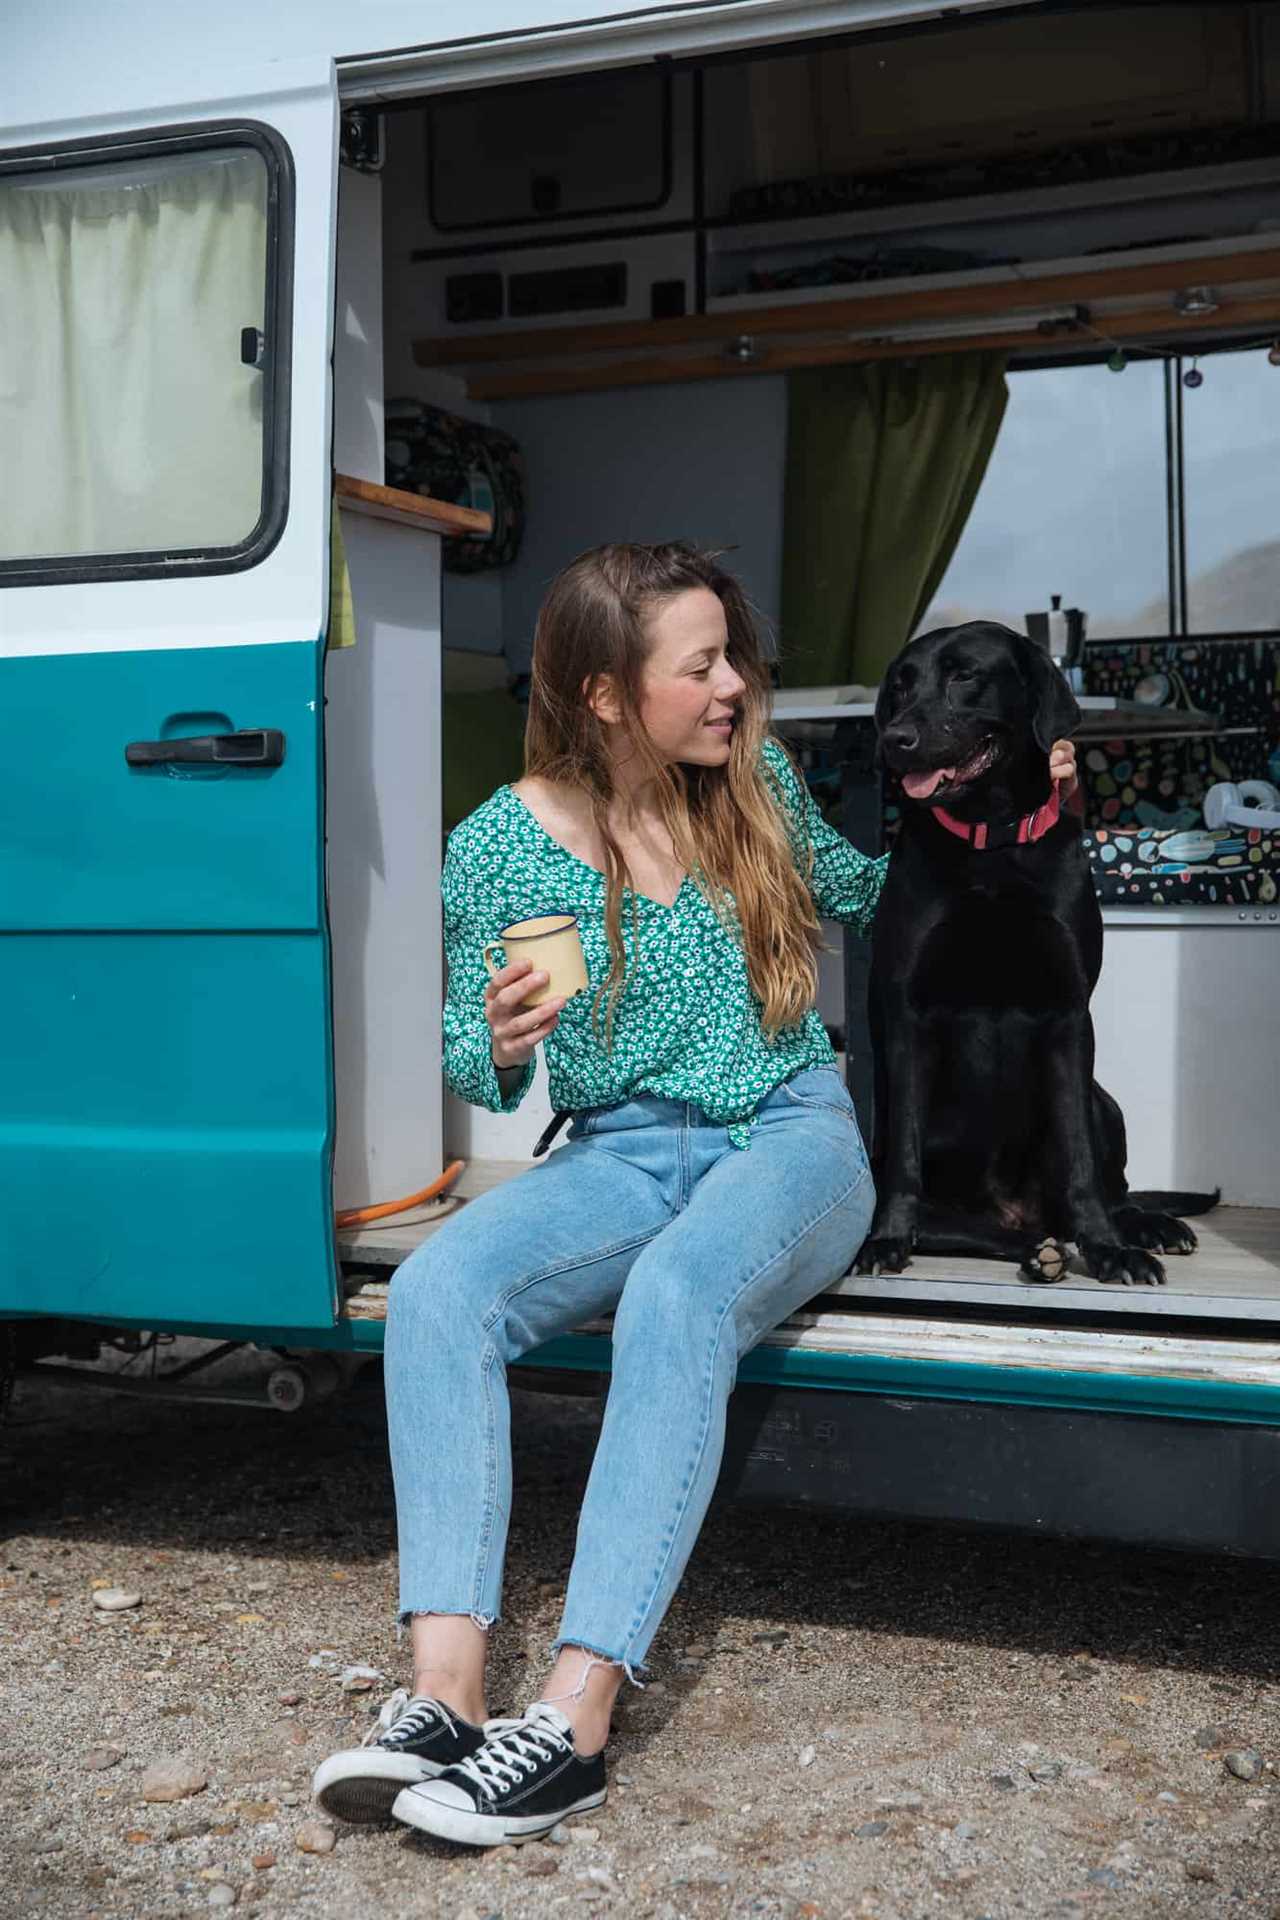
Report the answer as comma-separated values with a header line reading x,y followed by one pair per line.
x,y
687,1025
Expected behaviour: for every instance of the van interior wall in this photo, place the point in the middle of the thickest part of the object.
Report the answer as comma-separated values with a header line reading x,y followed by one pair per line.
x,y
702,462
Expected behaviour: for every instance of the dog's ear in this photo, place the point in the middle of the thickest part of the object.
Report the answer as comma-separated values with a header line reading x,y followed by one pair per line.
x,y
1055,714
884,700
885,694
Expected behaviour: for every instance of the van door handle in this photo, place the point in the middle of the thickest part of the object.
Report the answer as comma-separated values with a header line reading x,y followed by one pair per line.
x,y
251,747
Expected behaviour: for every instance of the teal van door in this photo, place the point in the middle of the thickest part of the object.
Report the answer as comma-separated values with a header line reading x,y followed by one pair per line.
x,y
165,1056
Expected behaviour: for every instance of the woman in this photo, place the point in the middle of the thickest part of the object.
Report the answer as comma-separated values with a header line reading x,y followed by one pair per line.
x,y
713,1180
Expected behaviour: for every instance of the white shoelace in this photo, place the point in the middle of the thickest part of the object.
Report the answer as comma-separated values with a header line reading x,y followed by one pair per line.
x,y
404,1719
512,1749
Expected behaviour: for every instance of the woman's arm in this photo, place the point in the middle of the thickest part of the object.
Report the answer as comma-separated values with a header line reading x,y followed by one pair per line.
x,y
472,915
845,884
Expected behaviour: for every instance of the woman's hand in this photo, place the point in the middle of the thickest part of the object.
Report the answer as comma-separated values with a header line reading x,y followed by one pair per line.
x,y
515,1028
1062,766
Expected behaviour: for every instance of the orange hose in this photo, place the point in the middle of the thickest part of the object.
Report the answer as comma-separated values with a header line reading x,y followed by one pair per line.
x,y
360,1216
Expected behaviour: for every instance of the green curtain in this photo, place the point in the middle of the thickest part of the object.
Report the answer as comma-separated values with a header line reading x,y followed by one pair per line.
x,y
884,460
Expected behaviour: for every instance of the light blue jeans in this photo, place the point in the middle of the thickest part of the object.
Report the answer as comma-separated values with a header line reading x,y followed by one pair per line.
x,y
700,1248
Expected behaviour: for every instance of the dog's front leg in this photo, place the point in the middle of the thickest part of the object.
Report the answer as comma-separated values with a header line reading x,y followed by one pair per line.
x,y
1074,1168
902,1096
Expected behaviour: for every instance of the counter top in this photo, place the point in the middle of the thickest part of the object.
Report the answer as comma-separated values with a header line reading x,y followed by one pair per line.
x,y
865,709
1099,711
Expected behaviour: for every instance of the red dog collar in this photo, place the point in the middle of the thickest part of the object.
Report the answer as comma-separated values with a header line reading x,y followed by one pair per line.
x,y
984,834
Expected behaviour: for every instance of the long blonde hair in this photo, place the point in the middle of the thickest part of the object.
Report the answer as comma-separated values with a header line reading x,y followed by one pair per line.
x,y
725,822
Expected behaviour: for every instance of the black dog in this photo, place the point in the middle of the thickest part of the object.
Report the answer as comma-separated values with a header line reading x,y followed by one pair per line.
x,y
992,1136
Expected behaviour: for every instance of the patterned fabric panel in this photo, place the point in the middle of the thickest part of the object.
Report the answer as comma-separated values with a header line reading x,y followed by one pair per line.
x,y
1162,783
1150,868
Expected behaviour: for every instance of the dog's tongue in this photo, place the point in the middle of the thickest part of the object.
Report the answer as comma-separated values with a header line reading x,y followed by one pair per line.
x,y
920,785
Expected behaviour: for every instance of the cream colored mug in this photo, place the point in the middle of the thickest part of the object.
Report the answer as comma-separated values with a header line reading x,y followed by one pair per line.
x,y
551,942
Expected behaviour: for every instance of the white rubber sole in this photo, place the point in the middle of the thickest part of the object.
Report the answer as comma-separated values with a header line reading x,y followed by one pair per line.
x,y
484,1829
361,1786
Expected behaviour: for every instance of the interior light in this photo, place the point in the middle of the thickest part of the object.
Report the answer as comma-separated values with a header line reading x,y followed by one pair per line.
x,y
1192,302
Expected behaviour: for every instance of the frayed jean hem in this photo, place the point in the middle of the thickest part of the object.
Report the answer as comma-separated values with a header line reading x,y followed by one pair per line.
x,y
631,1670
407,1615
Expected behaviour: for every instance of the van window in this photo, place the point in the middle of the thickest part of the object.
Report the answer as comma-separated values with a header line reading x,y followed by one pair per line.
x,y
135,388
1232,493
1074,501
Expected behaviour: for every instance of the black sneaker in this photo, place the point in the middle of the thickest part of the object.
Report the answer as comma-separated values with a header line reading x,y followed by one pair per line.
x,y
525,1778
411,1740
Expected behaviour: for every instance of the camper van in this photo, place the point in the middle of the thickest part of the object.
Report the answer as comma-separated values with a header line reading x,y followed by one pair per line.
x,y
327,335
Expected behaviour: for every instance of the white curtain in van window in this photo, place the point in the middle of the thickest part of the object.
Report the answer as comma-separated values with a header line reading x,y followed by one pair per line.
x,y
128,421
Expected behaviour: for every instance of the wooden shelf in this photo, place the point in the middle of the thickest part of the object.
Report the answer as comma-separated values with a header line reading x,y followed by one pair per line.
x,y
408,509
996,298
1126,300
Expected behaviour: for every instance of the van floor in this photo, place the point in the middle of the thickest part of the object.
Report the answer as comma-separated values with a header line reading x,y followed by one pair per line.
x,y
1235,1274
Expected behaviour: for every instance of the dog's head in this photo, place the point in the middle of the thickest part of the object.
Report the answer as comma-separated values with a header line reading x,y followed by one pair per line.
x,y
963,706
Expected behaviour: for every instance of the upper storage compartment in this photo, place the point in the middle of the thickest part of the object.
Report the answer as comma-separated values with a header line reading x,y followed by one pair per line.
x,y
584,148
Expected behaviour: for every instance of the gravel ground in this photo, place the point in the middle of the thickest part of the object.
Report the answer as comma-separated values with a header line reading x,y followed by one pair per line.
x,y
847,1720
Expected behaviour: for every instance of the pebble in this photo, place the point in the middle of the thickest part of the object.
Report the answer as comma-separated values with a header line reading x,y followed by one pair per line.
x,y
261,1861
359,1679
1050,1770
965,1830
871,1830
807,1756
559,1835
51,1844
538,1863
699,1650
116,1599
290,1699
174,1779
601,1877
99,1758
775,1639
1170,1799
1244,1762
222,1895
314,1836
1002,1782
1196,1870
585,1836
1104,1877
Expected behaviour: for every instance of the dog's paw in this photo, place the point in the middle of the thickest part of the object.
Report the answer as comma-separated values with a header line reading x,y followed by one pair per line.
x,y
1046,1264
1158,1232
884,1253
1122,1266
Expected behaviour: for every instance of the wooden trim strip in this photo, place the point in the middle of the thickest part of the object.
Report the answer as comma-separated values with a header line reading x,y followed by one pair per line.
x,y
408,509
986,300
497,384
